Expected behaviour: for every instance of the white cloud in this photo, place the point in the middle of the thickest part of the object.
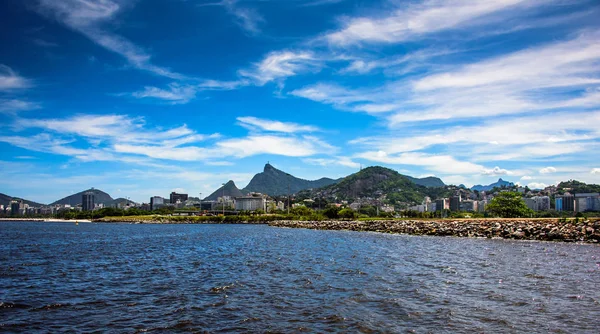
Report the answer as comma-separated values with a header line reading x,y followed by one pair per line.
x,y
14,105
595,171
278,145
10,80
175,94
336,161
274,126
280,65
547,170
536,185
415,21
88,18
247,18
526,177
445,164
495,171
122,138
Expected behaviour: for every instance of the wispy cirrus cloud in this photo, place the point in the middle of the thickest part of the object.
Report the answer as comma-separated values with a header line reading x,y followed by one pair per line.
x,y
91,18
335,161
174,94
249,19
16,105
279,65
126,139
414,21
254,123
11,80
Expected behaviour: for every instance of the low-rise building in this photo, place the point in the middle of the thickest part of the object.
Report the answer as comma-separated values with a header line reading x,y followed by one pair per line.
x,y
252,202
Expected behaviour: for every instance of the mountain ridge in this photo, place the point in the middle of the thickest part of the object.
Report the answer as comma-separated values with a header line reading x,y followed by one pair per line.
x,y
228,189
500,183
273,182
100,197
6,199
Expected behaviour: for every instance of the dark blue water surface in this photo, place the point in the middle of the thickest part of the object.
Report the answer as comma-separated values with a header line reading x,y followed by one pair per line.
x,y
58,277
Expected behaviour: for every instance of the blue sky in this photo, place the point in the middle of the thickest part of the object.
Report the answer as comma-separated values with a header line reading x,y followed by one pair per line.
x,y
140,98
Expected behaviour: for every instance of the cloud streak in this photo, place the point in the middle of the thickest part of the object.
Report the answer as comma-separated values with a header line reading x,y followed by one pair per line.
x,y
89,18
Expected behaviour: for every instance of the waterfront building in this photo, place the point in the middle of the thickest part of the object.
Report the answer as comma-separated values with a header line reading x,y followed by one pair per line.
x,y
442,204
17,208
156,202
175,197
481,205
455,203
469,205
252,202
87,201
587,202
567,202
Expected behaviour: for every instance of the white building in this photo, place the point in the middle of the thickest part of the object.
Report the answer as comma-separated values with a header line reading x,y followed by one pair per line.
x,y
251,203
538,203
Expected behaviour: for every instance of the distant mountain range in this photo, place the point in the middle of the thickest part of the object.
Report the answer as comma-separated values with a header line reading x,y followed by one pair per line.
x,y
5,200
229,189
273,182
500,183
75,199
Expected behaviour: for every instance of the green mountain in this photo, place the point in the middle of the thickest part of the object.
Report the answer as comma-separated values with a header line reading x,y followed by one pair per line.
x,y
273,182
229,189
374,182
75,199
576,187
5,200
430,181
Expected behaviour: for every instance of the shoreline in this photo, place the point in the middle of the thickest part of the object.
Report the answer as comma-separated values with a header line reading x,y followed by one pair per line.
x,y
46,220
540,229
587,231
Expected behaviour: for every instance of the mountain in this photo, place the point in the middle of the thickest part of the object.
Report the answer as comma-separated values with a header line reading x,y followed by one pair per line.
x,y
229,189
429,181
121,201
75,199
576,187
5,200
500,183
373,182
273,182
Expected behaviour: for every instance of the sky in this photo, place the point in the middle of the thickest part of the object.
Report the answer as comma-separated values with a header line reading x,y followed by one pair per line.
x,y
143,97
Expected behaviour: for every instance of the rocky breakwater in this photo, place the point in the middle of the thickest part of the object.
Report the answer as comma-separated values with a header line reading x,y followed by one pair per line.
x,y
523,229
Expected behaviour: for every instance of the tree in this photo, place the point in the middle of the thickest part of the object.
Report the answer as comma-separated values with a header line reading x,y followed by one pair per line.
x,y
347,213
331,211
508,205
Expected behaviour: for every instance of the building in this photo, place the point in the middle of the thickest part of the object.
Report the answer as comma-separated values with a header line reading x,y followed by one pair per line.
x,y
251,203
481,205
538,203
587,202
175,197
430,207
565,202
442,204
17,208
87,201
469,205
455,203
156,202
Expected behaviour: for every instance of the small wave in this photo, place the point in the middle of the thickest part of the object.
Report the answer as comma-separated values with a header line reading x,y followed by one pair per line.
x,y
4,305
50,307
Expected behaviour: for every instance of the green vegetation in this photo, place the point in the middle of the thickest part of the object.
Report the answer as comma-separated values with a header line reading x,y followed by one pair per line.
x,y
509,204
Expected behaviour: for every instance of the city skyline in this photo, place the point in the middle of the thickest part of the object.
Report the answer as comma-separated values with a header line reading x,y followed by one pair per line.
x,y
140,98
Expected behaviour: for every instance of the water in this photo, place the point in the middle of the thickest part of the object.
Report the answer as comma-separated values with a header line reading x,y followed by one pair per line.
x,y
255,278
